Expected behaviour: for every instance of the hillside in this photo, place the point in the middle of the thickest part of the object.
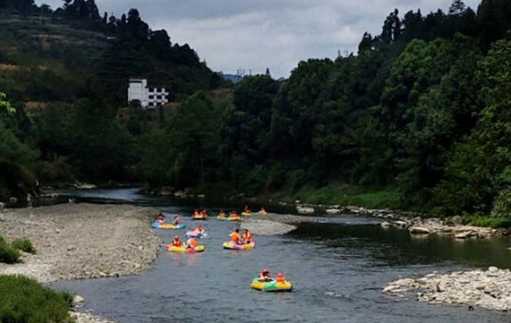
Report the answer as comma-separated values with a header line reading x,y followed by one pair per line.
x,y
59,56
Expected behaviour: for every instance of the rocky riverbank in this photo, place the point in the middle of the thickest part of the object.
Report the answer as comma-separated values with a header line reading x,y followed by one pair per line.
x,y
417,224
80,241
490,289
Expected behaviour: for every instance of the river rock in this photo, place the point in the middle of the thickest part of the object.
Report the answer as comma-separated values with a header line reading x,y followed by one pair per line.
x,y
465,235
385,225
166,191
333,211
490,289
78,301
419,230
401,224
305,210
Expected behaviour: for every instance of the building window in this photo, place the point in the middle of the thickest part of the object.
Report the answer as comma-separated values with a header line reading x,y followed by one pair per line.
x,y
151,97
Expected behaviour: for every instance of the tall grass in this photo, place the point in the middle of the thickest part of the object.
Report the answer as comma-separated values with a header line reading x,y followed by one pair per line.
x,y
8,254
24,300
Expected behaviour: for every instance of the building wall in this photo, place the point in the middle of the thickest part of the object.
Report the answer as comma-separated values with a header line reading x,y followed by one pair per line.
x,y
149,98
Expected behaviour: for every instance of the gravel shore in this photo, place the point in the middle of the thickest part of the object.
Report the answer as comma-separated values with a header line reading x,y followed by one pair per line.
x,y
490,289
82,241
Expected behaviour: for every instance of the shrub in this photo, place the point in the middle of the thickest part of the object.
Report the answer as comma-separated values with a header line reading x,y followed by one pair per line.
x,y
8,254
24,300
502,205
486,221
24,245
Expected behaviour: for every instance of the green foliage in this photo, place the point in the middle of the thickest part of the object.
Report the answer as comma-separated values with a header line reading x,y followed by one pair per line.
x,y
24,300
5,105
24,245
485,221
8,254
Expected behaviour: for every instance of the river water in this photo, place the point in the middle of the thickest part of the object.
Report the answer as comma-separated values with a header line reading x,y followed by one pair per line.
x,y
338,268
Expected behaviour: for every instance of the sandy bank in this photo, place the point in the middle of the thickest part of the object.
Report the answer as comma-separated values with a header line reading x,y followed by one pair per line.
x,y
78,241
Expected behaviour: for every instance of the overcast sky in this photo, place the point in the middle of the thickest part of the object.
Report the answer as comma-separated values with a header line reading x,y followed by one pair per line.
x,y
255,34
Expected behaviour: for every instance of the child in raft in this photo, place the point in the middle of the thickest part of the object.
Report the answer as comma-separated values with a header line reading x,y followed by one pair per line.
x,y
235,237
176,242
246,237
161,219
265,276
177,219
191,243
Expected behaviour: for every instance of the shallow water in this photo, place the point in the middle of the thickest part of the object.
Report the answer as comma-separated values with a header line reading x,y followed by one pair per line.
x,y
338,270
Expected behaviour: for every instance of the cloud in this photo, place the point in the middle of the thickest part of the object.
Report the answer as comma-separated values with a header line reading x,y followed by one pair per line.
x,y
255,34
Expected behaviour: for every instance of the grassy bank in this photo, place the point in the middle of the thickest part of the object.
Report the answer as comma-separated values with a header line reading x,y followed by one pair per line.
x,y
343,195
24,300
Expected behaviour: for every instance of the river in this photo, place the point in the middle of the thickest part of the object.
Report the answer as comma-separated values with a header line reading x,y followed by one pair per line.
x,y
338,267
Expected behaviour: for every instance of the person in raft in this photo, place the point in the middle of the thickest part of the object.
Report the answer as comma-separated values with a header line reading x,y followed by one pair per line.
x,y
196,213
191,243
176,242
246,237
200,230
265,276
161,219
280,278
177,219
203,212
234,214
222,213
235,236
246,210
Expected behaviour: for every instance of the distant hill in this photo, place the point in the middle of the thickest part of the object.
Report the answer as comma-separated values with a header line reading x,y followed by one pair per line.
x,y
73,52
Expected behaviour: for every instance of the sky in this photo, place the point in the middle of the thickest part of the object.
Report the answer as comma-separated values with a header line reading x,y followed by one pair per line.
x,y
259,34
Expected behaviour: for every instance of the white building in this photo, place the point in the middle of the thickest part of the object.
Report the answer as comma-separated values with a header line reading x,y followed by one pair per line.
x,y
149,98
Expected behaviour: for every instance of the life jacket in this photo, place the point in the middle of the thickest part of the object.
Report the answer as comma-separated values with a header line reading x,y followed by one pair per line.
x,y
235,237
176,242
246,236
191,243
280,278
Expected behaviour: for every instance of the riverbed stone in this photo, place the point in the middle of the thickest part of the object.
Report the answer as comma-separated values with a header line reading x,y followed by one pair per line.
x,y
419,230
490,289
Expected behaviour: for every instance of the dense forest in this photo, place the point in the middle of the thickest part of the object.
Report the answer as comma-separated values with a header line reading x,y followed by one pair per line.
x,y
419,115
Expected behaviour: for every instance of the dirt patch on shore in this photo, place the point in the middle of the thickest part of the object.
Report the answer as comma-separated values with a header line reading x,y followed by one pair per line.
x,y
79,241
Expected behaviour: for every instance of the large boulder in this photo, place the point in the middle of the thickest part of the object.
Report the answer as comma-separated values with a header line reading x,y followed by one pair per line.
x,y
419,230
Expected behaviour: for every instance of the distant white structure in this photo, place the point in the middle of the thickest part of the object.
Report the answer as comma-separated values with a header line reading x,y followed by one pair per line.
x,y
149,98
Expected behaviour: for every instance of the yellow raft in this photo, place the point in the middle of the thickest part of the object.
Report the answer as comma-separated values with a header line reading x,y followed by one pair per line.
x,y
246,213
228,218
233,246
185,249
272,286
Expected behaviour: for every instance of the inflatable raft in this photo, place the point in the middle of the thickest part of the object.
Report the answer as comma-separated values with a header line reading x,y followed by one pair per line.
x,y
199,217
246,213
156,225
233,246
185,249
272,286
228,218
196,234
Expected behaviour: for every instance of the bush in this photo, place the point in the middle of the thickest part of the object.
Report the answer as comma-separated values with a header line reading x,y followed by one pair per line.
x,y
486,221
24,245
24,300
8,254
